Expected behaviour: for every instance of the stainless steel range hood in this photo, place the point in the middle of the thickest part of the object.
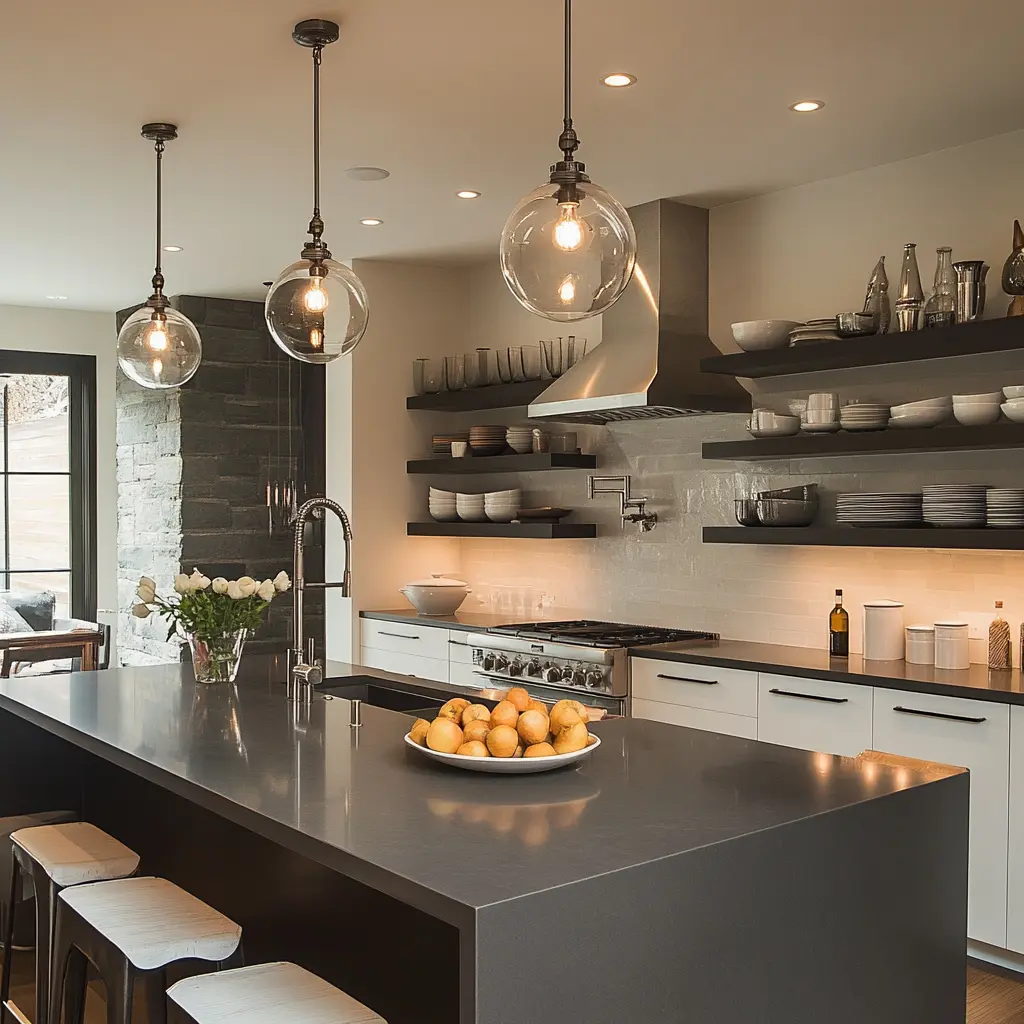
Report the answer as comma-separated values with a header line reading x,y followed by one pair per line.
x,y
653,339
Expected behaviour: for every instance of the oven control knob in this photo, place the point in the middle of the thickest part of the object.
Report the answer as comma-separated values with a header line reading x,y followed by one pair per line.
x,y
579,677
595,680
533,667
567,674
487,663
516,668
500,663
553,674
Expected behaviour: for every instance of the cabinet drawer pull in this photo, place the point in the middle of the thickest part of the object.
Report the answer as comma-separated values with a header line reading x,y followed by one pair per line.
x,y
401,636
811,696
939,714
687,679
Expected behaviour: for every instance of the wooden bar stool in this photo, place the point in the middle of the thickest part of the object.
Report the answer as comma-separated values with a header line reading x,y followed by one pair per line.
x,y
267,994
131,931
54,857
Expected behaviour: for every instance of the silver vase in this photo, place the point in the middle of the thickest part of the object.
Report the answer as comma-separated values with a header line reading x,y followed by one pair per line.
x,y
970,289
910,300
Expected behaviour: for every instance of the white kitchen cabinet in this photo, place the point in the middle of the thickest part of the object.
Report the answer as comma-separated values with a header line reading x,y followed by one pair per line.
x,y
1015,882
405,638
707,687
406,664
695,718
970,734
814,714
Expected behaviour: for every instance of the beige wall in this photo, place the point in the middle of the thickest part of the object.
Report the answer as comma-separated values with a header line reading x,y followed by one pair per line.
x,y
80,333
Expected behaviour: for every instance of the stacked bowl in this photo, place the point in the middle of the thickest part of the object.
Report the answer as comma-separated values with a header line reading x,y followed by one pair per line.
x,y
1004,507
1013,407
977,410
758,335
955,505
520,439
928,413
864,416
443,505
487,440
820,329
470,507
502,506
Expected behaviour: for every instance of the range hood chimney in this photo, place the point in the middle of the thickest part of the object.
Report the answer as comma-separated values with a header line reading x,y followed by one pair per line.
x,y
653,339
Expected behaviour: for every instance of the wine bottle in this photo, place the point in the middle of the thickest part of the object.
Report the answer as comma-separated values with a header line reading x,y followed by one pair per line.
x,y
839,629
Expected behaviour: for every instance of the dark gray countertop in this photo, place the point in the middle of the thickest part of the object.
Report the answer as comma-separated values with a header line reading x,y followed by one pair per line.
x,y
447,841
978,682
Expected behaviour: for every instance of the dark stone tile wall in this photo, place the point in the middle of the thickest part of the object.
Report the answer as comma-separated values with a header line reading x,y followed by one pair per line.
x,y
193,467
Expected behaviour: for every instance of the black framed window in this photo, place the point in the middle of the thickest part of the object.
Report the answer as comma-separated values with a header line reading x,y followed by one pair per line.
x,y
48,477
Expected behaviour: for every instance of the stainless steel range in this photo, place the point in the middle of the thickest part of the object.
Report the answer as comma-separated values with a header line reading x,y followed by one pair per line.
x,y
582,658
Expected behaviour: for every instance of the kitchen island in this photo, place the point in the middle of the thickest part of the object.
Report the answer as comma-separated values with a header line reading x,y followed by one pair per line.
x,y
678,875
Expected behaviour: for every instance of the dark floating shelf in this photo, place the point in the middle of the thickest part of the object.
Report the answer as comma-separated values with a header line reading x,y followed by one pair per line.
x,y
1002,335
496,396
537,531
867,537
954,438
502,463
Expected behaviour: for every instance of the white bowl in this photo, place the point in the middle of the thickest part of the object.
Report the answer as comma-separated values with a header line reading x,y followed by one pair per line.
x,y
507,515
992,398
436,494
976,414
506,765
514,494
758,335
1014,411
1017,391
927,403
920,419
443,600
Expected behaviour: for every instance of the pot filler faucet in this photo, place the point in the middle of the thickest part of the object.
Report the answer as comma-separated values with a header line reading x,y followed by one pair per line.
x,y
632,509
304,675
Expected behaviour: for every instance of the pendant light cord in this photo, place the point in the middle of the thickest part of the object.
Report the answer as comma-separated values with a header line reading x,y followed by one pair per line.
x,y
317,51
568,64
158,277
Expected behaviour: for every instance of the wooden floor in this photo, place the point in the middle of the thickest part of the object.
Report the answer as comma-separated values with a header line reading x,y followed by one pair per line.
x,y
991,998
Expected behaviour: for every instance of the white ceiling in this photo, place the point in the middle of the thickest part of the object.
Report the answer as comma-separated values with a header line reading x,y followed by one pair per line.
x,y
448,94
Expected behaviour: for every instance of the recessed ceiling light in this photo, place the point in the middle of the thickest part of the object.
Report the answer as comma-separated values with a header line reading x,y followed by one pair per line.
x,y
467,193
173,248
618,80
371,222
57,298
368,173
806,106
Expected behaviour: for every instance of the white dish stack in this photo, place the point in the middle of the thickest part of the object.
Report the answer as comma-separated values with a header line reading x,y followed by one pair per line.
x,y
952,645
878,509
977,410
864,416
1004,507
883,631
443,505
955,505
502,506
921,645
520,439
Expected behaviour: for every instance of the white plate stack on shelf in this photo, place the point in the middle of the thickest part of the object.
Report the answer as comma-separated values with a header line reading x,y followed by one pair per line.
x,y
955,505
864,416
443,506
878,509
1004,507
503,506
821,329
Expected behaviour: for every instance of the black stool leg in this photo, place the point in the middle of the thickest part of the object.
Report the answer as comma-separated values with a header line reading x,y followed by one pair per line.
x,y
46,907
156,996
120,991
75,985
5,977
62,974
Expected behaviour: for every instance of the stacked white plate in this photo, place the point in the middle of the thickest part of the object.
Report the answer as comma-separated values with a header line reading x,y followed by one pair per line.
x,y
502,506
821,329
955,505
520,439
443,507
487,440
878,509
864,416
470,508
1004,506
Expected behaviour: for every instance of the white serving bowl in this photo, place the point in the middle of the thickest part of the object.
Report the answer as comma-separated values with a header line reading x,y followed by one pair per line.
x,y
976,414
992,398
436,596
505,765
927,403
514,494
436,494
1014,410
1017,391
920,418
758,335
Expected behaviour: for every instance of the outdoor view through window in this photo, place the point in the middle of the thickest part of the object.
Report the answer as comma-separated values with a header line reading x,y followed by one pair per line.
x,y
35,471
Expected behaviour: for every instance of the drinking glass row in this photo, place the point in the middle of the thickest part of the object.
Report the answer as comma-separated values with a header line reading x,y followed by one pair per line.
x,y
485,366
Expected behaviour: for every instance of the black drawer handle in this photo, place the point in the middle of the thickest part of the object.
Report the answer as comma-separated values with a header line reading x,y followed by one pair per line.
x,y
940,714
687,679
811,696
401,636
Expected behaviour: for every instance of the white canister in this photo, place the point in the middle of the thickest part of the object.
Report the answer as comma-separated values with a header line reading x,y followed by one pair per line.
x,y
952,645
921,645
883,631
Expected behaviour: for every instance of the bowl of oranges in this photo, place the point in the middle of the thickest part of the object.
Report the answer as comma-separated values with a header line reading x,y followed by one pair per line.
x,y
520,736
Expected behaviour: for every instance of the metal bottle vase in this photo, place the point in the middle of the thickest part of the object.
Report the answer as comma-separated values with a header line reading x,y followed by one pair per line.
x,y
970,289
910,298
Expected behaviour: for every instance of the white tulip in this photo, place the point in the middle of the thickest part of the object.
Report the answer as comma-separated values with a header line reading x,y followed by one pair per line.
x,y
182,583
282,582
234,591
247,585
220,585
146,590
140,611
197,581
267,590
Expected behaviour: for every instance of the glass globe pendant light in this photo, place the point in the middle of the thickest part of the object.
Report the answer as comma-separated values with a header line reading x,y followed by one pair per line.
x,y
568,249
317,308
158,347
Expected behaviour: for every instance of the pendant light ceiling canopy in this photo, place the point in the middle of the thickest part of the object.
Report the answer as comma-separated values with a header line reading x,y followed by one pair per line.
x,y
568,249
158,347
317,309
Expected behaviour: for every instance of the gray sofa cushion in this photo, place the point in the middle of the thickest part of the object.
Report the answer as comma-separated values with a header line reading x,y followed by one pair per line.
x,y
11,621
35,607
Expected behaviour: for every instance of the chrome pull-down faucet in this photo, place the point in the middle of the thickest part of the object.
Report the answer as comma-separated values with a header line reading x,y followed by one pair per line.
x,y
303,675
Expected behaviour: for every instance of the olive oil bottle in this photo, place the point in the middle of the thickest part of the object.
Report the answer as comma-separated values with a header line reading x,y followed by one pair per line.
x,y
839,629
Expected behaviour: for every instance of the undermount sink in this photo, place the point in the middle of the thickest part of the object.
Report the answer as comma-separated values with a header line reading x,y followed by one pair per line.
x,y
413,698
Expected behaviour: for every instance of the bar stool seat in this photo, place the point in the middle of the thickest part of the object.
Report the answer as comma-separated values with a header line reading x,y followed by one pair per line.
x,y
268,994
153,922
76,852
8,826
